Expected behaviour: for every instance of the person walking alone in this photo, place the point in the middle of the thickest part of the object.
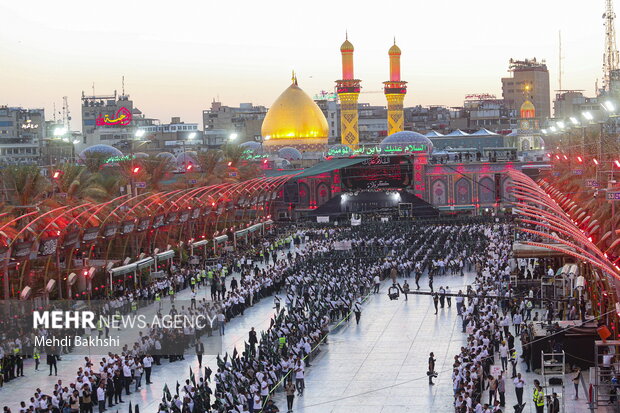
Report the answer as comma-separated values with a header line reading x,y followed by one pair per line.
x,y
51,361
519,384
357,309
576,379
377,281
253,341
290,394
200,350
431,367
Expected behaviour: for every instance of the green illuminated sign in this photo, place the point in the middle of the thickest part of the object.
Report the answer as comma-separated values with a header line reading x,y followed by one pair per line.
x,y
249,155
121,158
364,150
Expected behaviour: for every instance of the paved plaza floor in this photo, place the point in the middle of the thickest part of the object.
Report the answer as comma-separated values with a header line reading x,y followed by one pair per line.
x,y
380,365
377,366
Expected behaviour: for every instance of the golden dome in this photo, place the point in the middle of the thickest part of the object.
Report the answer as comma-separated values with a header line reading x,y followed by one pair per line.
x,y
528,110
394,50
294,117
347,46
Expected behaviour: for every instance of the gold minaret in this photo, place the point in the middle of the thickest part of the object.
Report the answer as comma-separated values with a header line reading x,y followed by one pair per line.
x,y
348,89
395,91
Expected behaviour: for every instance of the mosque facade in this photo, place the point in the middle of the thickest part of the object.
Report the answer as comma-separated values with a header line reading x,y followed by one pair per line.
x,y
454,173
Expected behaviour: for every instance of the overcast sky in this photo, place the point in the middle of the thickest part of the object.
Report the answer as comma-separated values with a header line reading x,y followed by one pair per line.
x,y
177,56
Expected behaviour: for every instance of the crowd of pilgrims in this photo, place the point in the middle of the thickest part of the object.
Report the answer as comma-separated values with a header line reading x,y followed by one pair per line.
x,y
120,372
326,283
322,282
486,320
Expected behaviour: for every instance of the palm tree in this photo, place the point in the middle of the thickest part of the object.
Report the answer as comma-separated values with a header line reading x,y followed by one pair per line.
x,y
209,160
95,161
232,154
24,185
158,169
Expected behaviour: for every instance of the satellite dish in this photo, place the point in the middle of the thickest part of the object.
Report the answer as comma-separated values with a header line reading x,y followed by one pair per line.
x,y
25,294
50,286
71,279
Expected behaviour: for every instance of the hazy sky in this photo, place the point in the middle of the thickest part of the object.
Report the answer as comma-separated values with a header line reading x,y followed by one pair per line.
x,y
177,56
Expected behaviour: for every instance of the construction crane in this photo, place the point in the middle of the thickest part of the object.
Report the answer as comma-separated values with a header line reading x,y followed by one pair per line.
x,y
610,57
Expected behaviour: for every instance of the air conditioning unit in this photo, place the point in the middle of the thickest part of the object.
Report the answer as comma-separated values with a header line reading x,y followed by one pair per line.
x,y
25,294
71,279
50,286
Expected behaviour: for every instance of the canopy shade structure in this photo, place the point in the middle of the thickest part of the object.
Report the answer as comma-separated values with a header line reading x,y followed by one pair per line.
x,y
554,226
220,239
166,255
458,132
241,232
433,134
521,250
319,168
125,269
255,227
144,263
483,132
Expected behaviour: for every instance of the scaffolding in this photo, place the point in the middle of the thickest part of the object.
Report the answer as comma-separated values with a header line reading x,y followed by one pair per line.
x,y
606,372
553,370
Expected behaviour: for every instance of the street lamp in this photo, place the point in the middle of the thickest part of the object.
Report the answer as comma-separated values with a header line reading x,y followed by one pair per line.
x,y
140,133
553,129
609,106
587,116
60,131
560,124
233,136
574,120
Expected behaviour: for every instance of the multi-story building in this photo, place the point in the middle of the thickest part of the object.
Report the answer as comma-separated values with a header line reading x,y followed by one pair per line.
x,y
426,118
111,120
572,103
21,134
483,111
328,103
222,123
372,121
529,81
567,103
172,137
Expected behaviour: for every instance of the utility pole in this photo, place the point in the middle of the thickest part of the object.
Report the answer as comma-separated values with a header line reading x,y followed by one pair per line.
x,y
560,61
